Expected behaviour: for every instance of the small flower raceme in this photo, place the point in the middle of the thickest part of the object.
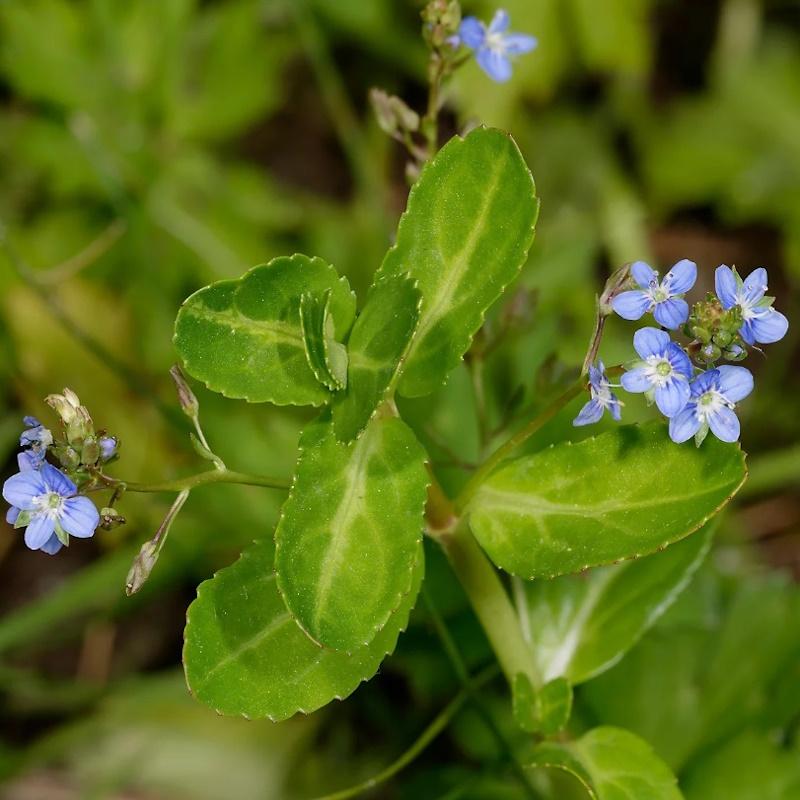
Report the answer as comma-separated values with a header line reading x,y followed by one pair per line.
x,y
494,46
664,299
602,399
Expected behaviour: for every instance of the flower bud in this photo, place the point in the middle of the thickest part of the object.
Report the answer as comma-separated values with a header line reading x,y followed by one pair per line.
x,y
77,422
108,447
186,396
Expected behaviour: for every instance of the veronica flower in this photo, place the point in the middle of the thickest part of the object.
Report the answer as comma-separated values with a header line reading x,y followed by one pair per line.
x,y
664,299
663,373
602,398
47,503
494,47
762,324
713,396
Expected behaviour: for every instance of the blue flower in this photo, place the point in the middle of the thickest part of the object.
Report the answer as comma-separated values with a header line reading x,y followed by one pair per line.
x,y
663,372
47,502
664,299
602,398
37,438
713,396
762,323
493,46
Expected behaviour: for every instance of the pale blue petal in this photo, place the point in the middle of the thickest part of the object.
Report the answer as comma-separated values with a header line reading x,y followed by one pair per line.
x,y
725,284
58,481
39,531
20,489
632,305
11,515
80,517
516,44
672,397
747,333
735,383
681,363
724,424
681,277
755,286
495,64
671,313
31,422
51,546
684,425
635,380
643,274
500,21
650,342
615,408
702,383
589,414
472,32
27,460
769,327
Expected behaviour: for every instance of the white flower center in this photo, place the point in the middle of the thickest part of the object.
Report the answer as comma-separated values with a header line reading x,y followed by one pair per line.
x,y
496,42
658,370
602,394
658,294
51,504
709,403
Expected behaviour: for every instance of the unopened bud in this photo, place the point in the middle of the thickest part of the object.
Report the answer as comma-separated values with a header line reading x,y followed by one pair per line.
x,y
75,417
108,447
142,567
186,396
392,113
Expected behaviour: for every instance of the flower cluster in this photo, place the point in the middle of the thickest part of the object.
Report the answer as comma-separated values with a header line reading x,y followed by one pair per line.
x,y
47,500
685,381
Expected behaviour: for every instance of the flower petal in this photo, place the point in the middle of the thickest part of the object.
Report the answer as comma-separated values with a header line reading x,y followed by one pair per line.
x,y
11,515
20,489
650,342
681,277
747,333
472,32
725,285
643,274
515,44
769,327
702,383
755,286
80,517
31,422
671,313
495,64
684,425
500,21
39,531
735,383
615,408
635,380
57,481
52,545
27,460
724,424
672,397
632,305
589,414
681,363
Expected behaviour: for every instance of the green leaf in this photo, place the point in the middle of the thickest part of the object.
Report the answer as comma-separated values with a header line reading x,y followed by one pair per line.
x,y
619,495
583,624
546,711
244,339
350,530
612,764
245,655
375,349
464,237
326,357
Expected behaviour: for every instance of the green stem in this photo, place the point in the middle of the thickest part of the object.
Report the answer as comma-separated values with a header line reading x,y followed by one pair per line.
x,y
460,668
519,438
441,721
200,479
491,603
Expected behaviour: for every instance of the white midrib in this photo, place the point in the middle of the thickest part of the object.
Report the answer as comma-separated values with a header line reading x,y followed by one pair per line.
x,y
340,524
453,276
560,658
518,502
273,330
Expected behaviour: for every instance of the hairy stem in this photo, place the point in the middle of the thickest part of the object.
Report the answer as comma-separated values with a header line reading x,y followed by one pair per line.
x,y
200,479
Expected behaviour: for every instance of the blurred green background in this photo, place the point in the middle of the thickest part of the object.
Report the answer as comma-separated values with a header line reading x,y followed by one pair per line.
x,y
148,148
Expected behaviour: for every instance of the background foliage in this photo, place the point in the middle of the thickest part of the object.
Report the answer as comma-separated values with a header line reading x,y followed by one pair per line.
x,y
150,148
